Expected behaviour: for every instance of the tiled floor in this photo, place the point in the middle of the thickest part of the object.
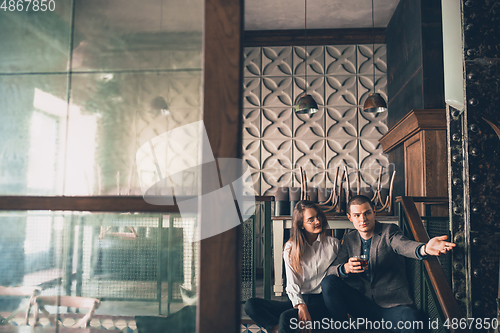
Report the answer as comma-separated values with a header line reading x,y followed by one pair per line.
x,y
120,314
251,328
122,323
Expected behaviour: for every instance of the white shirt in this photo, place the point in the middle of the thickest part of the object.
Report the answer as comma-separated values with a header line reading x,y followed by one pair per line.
x,y
315,262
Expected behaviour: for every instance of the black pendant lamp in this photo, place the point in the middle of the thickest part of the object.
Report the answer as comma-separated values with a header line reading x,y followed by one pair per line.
x,y
159,106
375,103
305,103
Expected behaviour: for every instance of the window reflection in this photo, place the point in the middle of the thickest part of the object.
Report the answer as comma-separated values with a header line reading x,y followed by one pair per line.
x,y
69,254
43,152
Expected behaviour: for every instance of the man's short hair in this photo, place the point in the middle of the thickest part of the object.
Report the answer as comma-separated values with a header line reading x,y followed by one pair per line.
x,y
359,200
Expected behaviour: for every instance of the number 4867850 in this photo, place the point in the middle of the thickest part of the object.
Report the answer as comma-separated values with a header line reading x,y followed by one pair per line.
x,y
28,5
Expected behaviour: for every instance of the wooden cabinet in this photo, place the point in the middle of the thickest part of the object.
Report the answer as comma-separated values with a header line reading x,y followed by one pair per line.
x,y
422,136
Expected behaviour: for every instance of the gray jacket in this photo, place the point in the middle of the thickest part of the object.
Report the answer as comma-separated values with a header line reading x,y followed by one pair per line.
x,y
387,285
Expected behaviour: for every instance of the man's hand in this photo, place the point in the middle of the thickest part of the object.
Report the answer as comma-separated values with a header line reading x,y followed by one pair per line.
x,y
304,317
438,245
353,266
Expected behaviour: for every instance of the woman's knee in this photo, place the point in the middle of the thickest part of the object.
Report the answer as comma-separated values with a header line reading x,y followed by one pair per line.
x,y
288,319
250,305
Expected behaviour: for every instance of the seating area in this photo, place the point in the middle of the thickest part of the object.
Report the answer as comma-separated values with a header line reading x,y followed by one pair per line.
x,y
114,298
333,199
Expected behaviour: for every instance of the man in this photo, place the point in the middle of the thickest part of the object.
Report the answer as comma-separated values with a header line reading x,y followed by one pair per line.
x,y
379,294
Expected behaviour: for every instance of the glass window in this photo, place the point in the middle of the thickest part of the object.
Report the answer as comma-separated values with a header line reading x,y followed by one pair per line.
x,y
137,265
84,84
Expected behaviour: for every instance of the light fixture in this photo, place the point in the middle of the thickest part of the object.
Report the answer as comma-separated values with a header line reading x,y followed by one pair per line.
x,y
305,103
374,103
159,105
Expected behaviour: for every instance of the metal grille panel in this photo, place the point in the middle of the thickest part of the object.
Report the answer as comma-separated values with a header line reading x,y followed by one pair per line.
x,y
120,257
414,274
247,272
433,311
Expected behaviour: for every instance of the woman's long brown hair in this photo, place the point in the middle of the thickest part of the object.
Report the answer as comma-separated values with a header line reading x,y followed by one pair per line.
x,y
298,237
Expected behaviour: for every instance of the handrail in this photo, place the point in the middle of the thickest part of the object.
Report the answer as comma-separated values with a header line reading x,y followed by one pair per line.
x,y
101,203
442,289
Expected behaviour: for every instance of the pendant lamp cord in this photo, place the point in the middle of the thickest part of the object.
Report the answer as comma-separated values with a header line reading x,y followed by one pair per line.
x,y
373,48
305,44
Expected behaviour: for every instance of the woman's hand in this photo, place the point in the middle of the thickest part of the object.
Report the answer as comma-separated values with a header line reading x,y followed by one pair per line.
x,y
353,266
304,317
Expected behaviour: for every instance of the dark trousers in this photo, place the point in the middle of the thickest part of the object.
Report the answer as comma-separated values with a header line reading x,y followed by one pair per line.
x,y
267,313
341,299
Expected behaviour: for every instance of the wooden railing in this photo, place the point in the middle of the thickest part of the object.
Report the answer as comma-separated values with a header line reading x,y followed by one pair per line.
x,y
433,270
101,203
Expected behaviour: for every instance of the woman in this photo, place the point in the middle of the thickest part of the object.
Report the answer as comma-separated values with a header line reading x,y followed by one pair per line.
x,y
307,255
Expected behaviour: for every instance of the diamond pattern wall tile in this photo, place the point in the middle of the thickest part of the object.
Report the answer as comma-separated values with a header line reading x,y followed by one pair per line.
x,y
341,122
371,159
251,92
252,154
183,90
276,61
309,126
255,176
310,155
256,181
381,86
339,77
315,60
341,152
316,177
277,91
252,61
309,152
182,116
365,62
380,59
315,88
276,154
372,126
276,164
277,123
274,178
340,59
341,90
365,87
251,124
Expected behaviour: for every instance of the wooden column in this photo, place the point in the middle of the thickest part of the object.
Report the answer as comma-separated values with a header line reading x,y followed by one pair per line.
x,y
422,133
219,303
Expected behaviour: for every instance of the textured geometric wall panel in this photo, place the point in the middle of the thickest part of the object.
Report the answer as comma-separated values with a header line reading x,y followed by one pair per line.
x,y
276,141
